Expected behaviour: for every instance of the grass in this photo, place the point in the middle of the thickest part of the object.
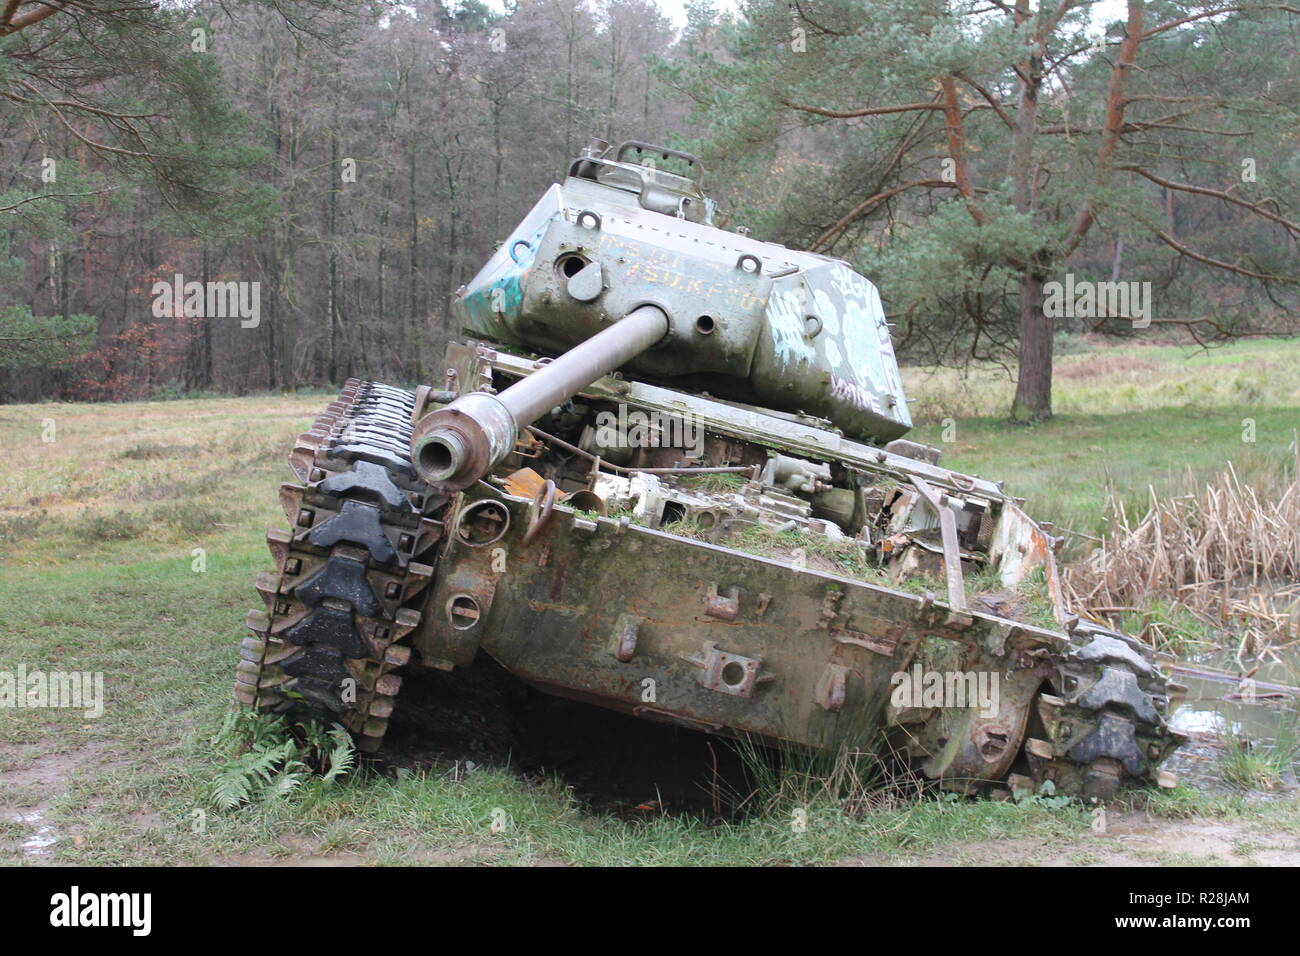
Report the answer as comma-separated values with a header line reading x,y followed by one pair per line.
x,y
1170,628
1264,764
128,545
845,557
714,482
1184,803
1131,416
1093,377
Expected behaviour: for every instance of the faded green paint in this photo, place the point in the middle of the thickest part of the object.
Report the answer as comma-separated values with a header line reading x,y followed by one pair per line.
x,y
492,301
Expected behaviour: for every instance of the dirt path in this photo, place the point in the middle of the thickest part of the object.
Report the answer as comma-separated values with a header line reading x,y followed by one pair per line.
x,y
1129,839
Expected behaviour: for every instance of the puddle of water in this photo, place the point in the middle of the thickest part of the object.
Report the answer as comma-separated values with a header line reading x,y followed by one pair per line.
x,y
1214,712
1216,706
39,842
1208,708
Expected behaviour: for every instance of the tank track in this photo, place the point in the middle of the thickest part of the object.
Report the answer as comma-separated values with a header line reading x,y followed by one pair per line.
x,y
1085,715
349,576
1106,725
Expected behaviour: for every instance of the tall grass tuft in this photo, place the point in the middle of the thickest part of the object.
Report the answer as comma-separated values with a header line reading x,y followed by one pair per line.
x,y
855,778
1264,764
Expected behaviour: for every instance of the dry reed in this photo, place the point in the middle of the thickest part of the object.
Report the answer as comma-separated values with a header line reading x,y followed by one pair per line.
x,y
1228,552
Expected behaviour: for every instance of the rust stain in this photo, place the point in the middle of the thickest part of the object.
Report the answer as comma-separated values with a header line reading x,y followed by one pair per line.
x,y
568,610
557,583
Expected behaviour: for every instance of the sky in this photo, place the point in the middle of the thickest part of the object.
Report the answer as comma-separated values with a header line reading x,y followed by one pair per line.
x,y
674,10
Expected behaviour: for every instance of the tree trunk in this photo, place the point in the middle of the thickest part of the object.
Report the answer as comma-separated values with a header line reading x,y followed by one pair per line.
x,y
497,107
411,362
203,378
1033,401
333,371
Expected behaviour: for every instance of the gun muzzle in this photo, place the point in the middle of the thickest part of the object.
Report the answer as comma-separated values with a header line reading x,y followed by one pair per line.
x,y
455,446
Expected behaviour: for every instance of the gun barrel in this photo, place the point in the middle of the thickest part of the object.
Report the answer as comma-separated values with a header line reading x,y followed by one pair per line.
x,y
455,446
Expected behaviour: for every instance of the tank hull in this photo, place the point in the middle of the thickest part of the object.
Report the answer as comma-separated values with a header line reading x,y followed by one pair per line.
x,y
691,624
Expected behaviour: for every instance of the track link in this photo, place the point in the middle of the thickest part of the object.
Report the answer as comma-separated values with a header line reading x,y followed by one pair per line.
x,y
351,574
1106,725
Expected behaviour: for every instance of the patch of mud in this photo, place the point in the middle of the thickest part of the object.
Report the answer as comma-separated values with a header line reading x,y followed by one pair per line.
x,y
1216,842
1129,839
29,785
296,859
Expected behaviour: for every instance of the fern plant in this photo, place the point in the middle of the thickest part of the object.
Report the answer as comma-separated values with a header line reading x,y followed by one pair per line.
x,y
269,759
334,755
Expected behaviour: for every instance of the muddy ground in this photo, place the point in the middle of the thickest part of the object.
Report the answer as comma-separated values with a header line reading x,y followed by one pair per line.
x,y
1120,838
618,766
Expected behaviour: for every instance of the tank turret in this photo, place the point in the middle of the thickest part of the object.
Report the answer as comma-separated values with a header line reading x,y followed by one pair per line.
x,y
748,321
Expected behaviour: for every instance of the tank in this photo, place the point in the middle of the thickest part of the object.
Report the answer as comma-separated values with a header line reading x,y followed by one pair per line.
x,y
665,474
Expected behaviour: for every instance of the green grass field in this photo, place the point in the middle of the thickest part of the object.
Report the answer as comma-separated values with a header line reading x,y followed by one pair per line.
x,y
1133,417
130,534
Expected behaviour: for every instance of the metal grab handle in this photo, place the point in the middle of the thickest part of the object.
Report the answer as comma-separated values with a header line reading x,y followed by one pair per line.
x,y
697,168
540,511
